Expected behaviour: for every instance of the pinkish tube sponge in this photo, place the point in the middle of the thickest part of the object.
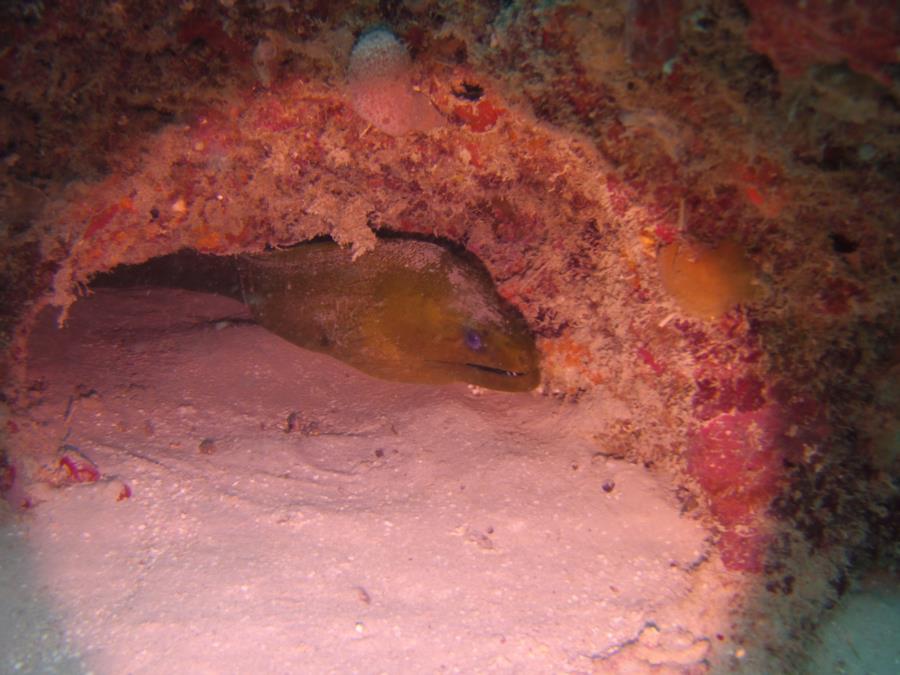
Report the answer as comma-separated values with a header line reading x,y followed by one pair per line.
x,y
380,86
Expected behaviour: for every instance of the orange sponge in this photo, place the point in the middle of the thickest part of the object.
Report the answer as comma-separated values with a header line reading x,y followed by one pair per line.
x,y
707,282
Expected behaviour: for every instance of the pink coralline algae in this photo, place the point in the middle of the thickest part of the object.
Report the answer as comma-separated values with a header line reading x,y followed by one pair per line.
x,y
797,35
651,31
381,89
737,459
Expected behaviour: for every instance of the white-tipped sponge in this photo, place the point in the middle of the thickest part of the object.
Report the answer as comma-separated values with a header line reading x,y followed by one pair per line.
x,y
380,84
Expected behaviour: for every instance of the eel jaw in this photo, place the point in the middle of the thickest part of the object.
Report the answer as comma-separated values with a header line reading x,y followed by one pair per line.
x,y
496,371
490,370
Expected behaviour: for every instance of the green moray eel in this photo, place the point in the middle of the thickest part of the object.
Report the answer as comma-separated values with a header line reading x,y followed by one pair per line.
x,y
409,310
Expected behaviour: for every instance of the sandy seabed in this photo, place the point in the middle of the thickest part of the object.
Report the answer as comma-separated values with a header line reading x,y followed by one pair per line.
x,y
289,514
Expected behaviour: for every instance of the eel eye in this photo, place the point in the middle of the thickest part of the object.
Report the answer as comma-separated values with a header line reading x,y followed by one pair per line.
x,y
474,341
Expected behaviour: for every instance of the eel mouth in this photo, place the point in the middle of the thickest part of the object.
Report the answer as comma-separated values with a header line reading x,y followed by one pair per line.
x,y
496,371
490,370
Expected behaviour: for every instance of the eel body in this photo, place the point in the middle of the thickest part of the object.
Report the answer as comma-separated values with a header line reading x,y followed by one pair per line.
x,y
409,310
